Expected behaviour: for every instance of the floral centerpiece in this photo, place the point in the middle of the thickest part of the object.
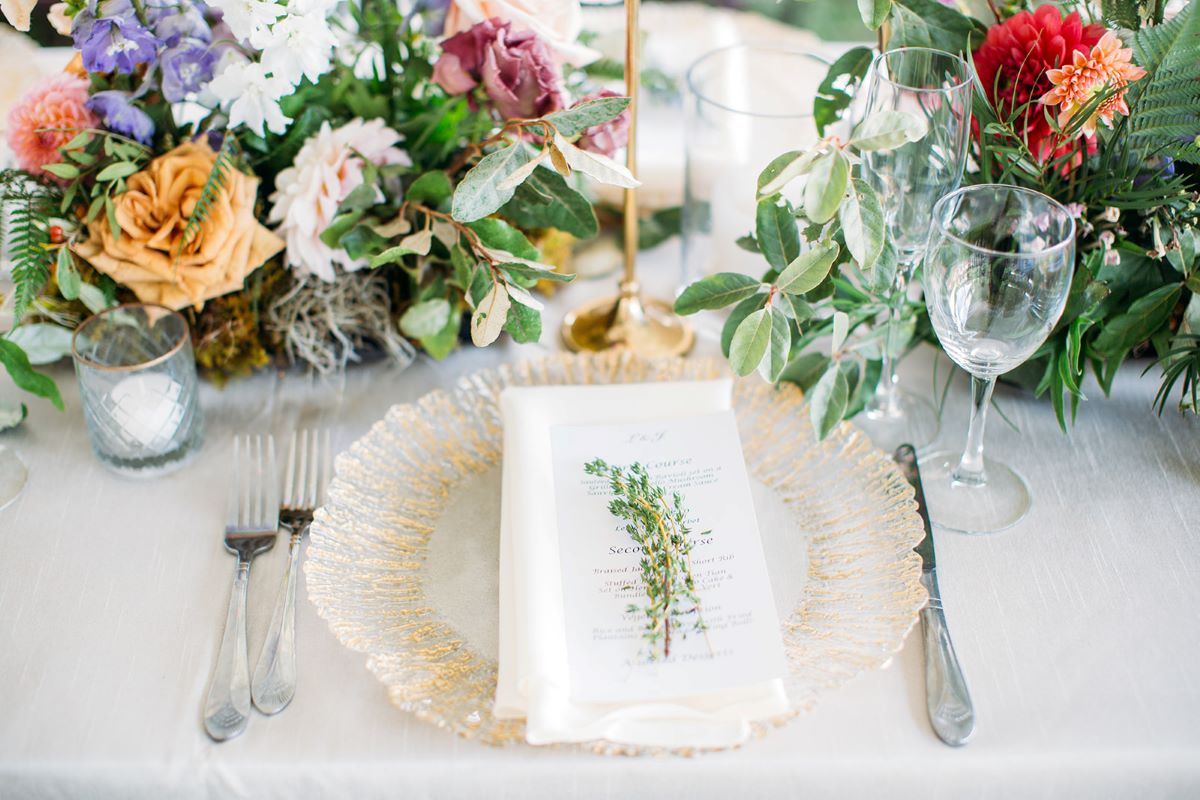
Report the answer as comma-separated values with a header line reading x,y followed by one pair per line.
x,y
1095,105
308,180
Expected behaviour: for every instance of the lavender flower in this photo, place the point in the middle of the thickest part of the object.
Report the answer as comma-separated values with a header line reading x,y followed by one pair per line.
x,y
120,115
186,68
110,38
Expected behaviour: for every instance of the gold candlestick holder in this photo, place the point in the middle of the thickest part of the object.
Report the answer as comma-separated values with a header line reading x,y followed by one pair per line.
x,y
648,327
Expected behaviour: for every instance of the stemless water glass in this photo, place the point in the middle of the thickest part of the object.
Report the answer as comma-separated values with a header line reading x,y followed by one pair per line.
x,y
997,274
137,379
934,86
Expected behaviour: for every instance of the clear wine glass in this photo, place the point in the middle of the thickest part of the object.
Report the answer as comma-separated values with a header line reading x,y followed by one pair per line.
x,y
936,86
997,274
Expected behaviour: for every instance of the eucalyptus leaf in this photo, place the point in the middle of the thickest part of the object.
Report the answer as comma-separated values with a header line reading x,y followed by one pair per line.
x,y
529,272
828,399
546,200
826,187
43,342
524,324
806,369
861,216
750,342
779,349
783,169
490,315
478,194
739,313
426,318
809,269
393,255
577,119
776,232
717,291
887,129
431,189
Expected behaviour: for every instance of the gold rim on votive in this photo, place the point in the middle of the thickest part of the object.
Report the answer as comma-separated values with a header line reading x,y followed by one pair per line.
x,y
159,359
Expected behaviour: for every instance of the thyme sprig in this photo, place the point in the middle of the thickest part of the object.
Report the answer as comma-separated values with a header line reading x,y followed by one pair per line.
x,y
656,522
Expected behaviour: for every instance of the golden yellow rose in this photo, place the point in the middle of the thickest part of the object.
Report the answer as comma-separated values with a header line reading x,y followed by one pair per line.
x,y
153,213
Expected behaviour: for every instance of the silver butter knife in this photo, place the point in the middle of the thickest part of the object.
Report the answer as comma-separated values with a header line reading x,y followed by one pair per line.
x,y
946,695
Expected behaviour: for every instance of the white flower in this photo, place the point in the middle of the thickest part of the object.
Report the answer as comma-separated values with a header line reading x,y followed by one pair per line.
x,y
251,96
307,194
247,18
298,46
557,22
57,15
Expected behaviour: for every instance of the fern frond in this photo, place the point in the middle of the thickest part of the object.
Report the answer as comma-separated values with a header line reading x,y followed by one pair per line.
x,y
26,236
218,177
1165,104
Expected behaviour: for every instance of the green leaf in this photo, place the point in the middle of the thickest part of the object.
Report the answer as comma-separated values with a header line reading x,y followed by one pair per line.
x,y
444,341
1145,316
110,210
660,226
12,415
94,298
393,255
777,233
750,342
527,272
477,194
779,348
546,200
862,223
24,375
874,12
524,324
806,369
826,187
809,269
929,23
112,172
717,291
63,170
361,241
426,318
499,235
828,399
835,92
77,141
784,168
841,328
339,227
66,274
748,243
739,313
431,189
573,121
887,129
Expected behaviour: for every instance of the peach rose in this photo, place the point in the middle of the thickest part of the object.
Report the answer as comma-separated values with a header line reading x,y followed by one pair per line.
x,y
153,213
556,22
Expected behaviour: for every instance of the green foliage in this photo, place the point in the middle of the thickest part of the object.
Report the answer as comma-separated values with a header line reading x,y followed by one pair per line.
x,y
657,522
28,205
837,89
214,184
25,376
1165,104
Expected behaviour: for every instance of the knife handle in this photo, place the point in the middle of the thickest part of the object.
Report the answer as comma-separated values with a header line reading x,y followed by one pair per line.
x,y
946,695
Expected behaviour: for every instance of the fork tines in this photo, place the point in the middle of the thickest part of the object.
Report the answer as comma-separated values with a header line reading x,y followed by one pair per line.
x,y
253,503
309,468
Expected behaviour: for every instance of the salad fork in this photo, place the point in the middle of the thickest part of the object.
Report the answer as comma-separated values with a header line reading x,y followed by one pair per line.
x,y
252,520
309,467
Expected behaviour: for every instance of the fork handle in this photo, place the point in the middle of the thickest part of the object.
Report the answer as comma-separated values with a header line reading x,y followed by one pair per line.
x,y
228,705
274,683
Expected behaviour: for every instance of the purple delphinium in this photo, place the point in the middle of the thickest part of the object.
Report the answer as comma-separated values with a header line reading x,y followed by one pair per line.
x,y
186,68
118,113
110,37
172,23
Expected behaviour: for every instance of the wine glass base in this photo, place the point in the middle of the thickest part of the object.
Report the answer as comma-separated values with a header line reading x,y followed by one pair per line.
x,y
1000,503
910,420
13,476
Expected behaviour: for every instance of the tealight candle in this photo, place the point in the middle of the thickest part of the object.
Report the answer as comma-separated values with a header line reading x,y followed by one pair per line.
x,y
148,410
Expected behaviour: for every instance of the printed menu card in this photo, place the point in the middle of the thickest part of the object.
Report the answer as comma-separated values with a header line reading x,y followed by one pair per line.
x,y
665,585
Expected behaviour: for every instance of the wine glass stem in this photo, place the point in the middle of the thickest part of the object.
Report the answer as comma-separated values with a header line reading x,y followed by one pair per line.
x,y
887,392
970,467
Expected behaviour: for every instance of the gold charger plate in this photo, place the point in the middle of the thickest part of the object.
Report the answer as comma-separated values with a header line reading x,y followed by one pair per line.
x,y
402,559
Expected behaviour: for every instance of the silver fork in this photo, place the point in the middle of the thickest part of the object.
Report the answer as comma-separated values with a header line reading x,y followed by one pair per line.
x,y
309,466
252,520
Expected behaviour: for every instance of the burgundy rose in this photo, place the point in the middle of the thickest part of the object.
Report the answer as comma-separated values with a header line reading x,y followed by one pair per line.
x,y
607,137
516,69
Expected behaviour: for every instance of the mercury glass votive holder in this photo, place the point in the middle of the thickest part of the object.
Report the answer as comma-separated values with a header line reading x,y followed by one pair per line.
x,y
137,380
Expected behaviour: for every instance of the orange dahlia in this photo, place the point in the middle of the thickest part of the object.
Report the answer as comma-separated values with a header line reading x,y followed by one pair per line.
x,y
46,118
1014,62
1108,66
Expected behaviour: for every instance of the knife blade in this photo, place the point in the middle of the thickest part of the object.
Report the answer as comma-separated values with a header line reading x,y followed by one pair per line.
x,y
946,697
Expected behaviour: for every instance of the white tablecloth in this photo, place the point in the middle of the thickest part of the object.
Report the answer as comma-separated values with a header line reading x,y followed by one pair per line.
x,y
1079,629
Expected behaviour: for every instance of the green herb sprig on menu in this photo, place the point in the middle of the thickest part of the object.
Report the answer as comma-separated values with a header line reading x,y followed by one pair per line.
x,y
657,522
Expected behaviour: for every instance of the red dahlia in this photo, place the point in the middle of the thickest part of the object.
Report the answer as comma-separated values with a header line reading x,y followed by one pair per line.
x,y
1013,61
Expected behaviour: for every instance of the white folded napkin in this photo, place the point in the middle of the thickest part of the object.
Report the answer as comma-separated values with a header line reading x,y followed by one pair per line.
x,y
533,679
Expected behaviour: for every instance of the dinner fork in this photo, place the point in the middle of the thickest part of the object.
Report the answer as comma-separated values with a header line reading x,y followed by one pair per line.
x,y
309,466
252,520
